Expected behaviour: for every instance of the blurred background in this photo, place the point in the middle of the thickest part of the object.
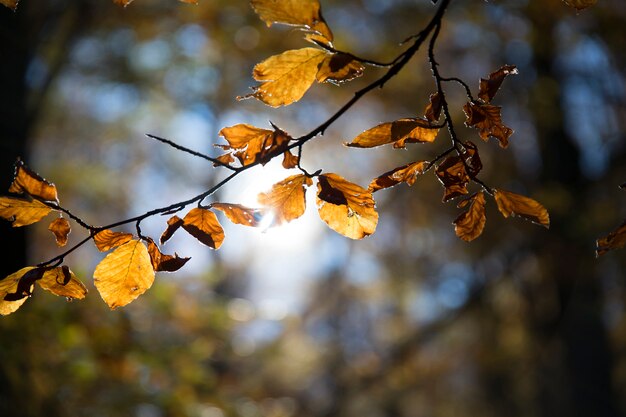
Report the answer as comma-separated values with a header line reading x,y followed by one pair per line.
x,y
299,321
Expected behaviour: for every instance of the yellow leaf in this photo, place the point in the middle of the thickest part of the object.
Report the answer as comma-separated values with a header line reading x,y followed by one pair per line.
x,y
407,173
286,200
338,68
304,13
62,282
107,239
470,224
204,226
164,263
239,214
514,204
286,77
487,119
614,240
61,229
173,224
399,133
11,4
9,285
345,207
22,211
251,144
124,274
29,182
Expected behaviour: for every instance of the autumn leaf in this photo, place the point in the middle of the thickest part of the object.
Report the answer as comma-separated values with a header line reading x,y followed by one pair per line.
x,y
9,285
173,224
22,211
580,4
124,274
432,113
407,173
487,119
239,214
345,207
204,226
473,163
614,240
290,160
123,2
518,205
470,224
60,227
286,77
29,182
452,174
338,68
11,4
61,281
164,263
107,239
303,13
286,200
251,144
399,132
490,86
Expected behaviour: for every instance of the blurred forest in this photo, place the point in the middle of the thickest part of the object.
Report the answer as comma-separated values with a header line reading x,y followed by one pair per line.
x,y
299,321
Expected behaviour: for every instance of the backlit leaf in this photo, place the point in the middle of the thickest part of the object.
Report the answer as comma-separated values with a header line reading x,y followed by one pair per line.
x,y
490,86
338,68
400,132
487,119
614,240
580,4
453,176
251,144
290,160
164,263
61,229
124,274
173,224
61,281
472,160
123,2
407,173
286,200
432,113
304,13
286,77
107,239
515,204
204,226
470,224
26,181
9,285
12,4
345,207
22,211
239,214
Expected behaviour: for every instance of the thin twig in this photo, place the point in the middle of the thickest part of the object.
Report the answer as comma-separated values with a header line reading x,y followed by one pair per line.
x,y
190,151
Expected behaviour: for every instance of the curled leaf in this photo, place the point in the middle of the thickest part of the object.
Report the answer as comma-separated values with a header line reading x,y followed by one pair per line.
x,y
251,144
515,204
432,113
470,224
580,4
306,14
22,211
290,160
164,263
472,159
286,200
173,224
614,240
490,86
399,132
61,281
8,286
107,239
452,174
29,182
338,68
487,119
204,226
407,173
239,214
11,4
60,227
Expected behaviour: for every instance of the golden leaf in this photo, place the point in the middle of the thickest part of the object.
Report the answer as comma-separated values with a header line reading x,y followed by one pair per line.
x,y
239,214
487,119
11,4
470,224
124,274
225,159
286,200
290,160
286,77
614,240
432,113
580,4
173,224
61,281
251,144
490,86
164,263
400,132
9,285
514,204
452,174
29,182
338,68
61,229
407,173
107,239
22,211
204,226
304,13
345,207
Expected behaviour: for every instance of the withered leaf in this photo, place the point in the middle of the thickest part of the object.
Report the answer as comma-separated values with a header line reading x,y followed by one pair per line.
x,y
470,224
614,240
164,263
490,86
124,274
345,207
453,176
286,200
11,4
407,173
432,113
123,2
9,286
29,182
472,160
22,211
251,144
518,205
204,226
225,159
304,13
580,4
399,132
487,119
286,77
173,224
61,281
239,214
60,227
290,160
107,239
338,68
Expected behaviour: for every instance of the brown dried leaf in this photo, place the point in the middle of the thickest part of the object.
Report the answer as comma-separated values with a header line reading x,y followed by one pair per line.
x,y
61,281
345,207
251,144
124,274
487,119
338,68
107,239
123,2
22,211
515,204
614,240
286,77
164,263
11,4
303,13
400,132
286,200
580,4
204,226
432,113
239,214
60,227
225,159
173,224
407,173
470,224
8,286
290,160
472,159
453,176
490,86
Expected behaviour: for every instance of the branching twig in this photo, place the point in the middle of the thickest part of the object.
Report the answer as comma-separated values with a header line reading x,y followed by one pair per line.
x,y
190,151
